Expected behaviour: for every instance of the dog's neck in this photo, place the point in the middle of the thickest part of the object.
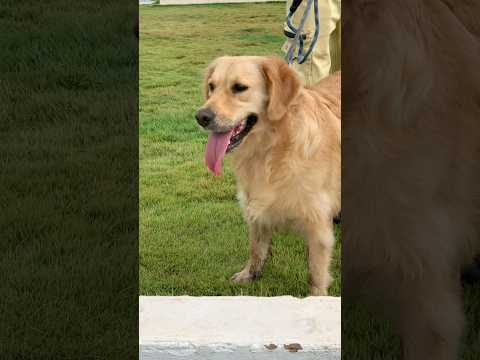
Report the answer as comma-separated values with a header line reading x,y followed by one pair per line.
x,y
258,144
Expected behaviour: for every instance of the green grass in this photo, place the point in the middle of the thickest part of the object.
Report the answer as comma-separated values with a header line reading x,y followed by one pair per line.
x,y
68,154
192,234
365,337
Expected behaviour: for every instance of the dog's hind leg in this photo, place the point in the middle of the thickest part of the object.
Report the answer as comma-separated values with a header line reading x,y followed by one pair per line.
x,y
260,242
320,240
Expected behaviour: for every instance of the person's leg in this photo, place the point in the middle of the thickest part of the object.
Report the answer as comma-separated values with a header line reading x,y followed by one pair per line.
x,y
319,63
336,42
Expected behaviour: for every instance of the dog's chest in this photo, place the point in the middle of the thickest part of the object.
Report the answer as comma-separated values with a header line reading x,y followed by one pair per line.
x,y
273,189
261,207
277,205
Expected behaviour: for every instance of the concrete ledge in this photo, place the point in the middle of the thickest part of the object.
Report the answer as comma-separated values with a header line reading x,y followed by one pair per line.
x,y
239,328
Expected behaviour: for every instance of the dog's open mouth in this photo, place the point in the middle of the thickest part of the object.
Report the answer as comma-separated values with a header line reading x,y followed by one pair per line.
x,y
240,131
221,143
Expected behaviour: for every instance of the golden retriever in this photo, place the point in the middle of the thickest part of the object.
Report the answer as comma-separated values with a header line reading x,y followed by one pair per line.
x,y
284,140
410,153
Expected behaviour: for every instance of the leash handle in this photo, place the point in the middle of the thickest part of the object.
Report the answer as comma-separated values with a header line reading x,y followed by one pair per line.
x,y
299,37
295,5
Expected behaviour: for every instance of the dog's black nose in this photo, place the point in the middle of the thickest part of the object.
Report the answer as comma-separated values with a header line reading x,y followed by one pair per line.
x,y
205,117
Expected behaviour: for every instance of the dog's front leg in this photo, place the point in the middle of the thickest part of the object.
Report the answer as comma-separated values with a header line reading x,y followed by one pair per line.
x,y
260,242
320,238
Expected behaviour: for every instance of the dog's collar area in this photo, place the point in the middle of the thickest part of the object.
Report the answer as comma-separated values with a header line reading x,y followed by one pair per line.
x,y
237,138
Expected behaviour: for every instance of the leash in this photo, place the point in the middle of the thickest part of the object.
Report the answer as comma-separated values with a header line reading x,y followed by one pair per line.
x,y
296,33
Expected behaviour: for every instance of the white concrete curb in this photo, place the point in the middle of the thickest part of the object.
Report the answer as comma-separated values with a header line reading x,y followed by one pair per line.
x,y
239,328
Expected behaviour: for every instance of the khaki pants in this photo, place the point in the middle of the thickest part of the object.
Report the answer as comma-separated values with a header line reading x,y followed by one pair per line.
x,y
326,57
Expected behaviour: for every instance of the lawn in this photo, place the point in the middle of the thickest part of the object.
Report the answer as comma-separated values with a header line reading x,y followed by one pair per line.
x,y
192,234
68,154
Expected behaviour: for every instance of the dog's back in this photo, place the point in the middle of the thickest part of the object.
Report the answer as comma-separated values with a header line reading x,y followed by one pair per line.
x,y
330,89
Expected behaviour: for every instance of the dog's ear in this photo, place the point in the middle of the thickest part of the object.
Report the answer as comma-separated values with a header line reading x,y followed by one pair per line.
x,y
283,85
206,76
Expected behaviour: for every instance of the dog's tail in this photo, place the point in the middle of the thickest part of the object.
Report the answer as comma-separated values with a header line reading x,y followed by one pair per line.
x,y
337,219
471,274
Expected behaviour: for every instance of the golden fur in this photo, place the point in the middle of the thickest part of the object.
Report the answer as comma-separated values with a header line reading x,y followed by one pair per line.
x,y
410,152
288,166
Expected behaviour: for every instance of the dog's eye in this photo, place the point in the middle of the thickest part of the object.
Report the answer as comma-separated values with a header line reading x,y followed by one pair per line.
x,y
237,88
211,87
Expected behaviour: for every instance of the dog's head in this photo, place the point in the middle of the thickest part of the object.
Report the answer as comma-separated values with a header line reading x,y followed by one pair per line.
x,y
241,91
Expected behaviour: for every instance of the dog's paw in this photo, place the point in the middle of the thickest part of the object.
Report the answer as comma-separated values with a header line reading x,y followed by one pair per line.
x,y
242,277
316,291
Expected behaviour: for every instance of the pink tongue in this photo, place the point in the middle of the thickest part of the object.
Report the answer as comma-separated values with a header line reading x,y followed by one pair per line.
x,y
215,152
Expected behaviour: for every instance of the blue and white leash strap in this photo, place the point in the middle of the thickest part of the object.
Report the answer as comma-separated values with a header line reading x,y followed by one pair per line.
x,y
297,32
